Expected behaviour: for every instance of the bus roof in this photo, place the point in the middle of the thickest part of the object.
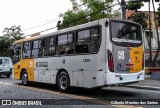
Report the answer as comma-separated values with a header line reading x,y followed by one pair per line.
x,y
68,30
59,31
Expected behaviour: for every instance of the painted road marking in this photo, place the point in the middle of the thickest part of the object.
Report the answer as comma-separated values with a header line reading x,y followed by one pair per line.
x,y
87,99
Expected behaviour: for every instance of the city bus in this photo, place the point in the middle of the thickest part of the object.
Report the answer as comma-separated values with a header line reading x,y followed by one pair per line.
x,y
92,55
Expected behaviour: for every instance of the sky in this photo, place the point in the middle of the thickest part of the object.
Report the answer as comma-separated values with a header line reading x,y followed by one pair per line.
x,y
32,14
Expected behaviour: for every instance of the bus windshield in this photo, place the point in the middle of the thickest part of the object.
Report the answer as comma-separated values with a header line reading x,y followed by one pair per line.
x,y
125,33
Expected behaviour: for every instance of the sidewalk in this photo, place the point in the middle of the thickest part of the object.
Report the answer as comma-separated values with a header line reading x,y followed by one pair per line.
x,y
146,84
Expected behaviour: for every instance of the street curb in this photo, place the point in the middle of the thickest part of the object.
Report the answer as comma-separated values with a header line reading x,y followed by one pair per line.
x,y
143,87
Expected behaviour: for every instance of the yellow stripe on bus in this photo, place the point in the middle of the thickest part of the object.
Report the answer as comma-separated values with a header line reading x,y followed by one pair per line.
x,y
136,56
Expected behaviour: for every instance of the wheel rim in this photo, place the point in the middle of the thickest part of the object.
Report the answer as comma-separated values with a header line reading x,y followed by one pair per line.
x,y
63,82
24,78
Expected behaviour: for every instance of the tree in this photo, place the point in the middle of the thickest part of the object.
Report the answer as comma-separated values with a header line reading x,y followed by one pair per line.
x,y
71,18
10,35
85,11
140,18
14,32
134,5
137,16
142,21
158,15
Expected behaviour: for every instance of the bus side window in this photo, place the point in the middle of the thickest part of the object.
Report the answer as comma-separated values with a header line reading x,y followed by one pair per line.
x,y
65,44
95,40
88,40
83,38
26,53
17,52
95,33
46,47
61,41
70,45
51,46
36,49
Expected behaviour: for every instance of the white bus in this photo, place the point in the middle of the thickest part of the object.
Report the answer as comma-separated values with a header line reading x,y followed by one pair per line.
x,y
96,54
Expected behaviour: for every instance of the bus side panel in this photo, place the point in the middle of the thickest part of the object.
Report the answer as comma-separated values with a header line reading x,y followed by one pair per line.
x,y
16,70
54,66
28,65
101,56
82,70
46,69
109,76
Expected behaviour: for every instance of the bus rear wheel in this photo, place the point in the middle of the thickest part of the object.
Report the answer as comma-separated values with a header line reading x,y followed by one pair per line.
x,y
24,78
63,81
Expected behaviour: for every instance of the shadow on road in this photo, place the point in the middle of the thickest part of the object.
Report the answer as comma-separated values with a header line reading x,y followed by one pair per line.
x,y
106,93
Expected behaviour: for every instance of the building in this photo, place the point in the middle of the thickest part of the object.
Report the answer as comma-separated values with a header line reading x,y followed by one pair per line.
x,y
153,29
153,37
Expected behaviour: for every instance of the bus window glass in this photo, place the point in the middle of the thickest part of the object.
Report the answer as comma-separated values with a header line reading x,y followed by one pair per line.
x,y
83,35
46,46
95,34
26,50
62,39
70,38
125,33
36,49
51,43
35,44
17,52
65,45
88,41
51,47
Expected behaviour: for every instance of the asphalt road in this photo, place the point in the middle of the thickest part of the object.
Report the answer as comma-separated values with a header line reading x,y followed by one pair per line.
x,y
77,97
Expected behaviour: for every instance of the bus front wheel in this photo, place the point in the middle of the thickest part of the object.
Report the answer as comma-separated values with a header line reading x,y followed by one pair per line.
x,y
24,78
63,81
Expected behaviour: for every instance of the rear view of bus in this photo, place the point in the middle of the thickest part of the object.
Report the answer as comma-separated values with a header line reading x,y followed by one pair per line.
x,y
125,53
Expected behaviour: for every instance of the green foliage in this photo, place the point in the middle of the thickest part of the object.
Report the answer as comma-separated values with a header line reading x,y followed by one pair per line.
x,y
134,6
9,37
158,15
71,19
85,11
14,32
140,18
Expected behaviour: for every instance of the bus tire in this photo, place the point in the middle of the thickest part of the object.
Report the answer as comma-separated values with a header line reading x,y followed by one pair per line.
x,y
24,78
63,82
